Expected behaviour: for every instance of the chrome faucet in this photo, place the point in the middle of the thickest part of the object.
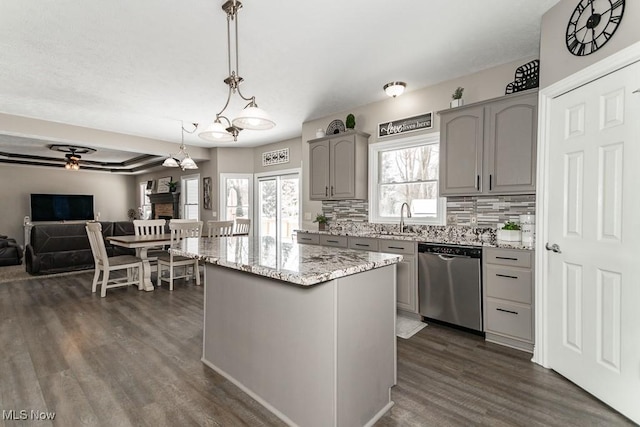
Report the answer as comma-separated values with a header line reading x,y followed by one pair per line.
x,y
402,216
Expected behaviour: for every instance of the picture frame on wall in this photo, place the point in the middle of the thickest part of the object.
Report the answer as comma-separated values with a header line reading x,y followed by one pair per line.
x,y
206,193
163,184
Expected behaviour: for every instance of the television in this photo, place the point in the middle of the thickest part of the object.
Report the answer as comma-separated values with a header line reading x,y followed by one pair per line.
x,y
61,207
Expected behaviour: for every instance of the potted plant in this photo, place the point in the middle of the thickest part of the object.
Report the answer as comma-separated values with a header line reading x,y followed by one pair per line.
x,y
350,122
173,186
510,232
322,222
456,97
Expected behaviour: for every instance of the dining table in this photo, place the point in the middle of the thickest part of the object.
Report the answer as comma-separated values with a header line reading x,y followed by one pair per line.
x,y
142,244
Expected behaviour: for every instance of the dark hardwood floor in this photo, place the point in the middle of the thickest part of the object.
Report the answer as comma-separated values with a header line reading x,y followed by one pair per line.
x,y
133,358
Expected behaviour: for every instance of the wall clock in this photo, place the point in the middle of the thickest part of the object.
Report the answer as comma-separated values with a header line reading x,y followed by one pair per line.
x,y
592,25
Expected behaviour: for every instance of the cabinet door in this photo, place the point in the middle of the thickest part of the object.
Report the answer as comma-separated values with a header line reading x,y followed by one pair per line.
x,y
406,284
461,151
342,169
511,146
319,170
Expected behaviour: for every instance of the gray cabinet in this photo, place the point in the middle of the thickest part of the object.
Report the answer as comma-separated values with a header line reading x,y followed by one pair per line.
x,y
489,147
338,166
508,297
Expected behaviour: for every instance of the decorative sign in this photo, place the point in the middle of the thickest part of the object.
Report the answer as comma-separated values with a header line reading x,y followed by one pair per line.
x,y
163,184
275,157
410,124
206,192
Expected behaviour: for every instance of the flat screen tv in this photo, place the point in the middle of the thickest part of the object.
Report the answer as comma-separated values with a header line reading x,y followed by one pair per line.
x,y
61,207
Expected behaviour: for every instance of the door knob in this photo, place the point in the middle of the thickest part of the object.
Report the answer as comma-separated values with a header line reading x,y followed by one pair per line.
x,y
555,248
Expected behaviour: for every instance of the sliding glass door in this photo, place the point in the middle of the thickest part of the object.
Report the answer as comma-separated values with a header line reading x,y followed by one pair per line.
x,y
278,205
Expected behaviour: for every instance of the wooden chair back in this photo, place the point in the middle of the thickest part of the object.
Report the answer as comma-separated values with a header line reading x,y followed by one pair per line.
x,y
220,228
243,226
96,241
182,229
145,227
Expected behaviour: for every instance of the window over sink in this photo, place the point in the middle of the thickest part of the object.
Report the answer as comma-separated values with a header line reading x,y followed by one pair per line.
x,y
406,170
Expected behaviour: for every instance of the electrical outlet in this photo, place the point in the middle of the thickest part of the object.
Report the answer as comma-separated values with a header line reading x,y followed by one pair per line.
x,y
452,219
214,214
307,216
474,220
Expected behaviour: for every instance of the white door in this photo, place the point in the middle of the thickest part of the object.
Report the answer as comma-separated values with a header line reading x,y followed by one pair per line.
x,y
278,206
593,282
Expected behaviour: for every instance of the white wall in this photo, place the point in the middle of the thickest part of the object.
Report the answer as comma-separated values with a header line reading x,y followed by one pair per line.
x,y
113,194
556,62
295,155
487,84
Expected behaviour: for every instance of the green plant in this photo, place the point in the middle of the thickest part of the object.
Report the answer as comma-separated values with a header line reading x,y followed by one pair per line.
x,y
351,121
173,186
458,93
510,225
321,219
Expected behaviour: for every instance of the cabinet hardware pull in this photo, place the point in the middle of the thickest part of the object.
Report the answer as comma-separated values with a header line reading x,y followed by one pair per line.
x,y
490,181
362,244
507,311
395,247
507,258
478,182
326,191
332,241
507,276
332,190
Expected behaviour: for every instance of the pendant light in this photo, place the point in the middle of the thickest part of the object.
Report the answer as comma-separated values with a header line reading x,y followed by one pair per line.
x,y
251,117
181,159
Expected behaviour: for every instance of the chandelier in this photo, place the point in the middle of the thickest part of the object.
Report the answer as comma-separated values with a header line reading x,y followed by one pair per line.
x,y
181,158
251,117
73,160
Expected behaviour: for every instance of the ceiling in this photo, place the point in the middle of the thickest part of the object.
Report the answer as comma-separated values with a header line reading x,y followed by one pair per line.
x,y
140,67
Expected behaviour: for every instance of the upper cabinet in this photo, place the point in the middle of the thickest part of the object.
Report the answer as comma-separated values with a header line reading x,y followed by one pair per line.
x,y
489,147
338,166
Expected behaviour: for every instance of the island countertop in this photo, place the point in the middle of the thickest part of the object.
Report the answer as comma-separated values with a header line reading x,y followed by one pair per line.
x,y
298,264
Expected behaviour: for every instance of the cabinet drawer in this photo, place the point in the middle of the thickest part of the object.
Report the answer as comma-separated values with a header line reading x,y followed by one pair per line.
x,y
308,238
363,243
509,319
510,257
336,241
397,246
514,284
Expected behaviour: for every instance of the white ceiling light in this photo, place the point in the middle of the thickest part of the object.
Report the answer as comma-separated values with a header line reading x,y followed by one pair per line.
x,y
394,89
181,158
251,117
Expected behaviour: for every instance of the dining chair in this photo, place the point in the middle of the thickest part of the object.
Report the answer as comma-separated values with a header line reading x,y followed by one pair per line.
x,y
220,228
106,264
243,226
146,227
179,230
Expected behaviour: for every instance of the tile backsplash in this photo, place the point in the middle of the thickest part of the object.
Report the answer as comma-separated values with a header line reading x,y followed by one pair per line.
x,y
489,211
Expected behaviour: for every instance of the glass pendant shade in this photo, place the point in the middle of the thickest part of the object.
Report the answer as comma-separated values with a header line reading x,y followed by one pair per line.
x,y
216,132
170,162
253,118
188,163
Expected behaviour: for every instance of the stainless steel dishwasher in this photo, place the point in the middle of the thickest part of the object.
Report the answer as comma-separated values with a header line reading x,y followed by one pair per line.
x,y
450,284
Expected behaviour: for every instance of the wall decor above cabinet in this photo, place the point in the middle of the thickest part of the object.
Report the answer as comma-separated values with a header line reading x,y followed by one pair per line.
x,y
409,124
489,147
338,166
335,127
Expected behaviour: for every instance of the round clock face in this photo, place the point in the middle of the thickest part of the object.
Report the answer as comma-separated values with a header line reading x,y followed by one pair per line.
x,y
592,25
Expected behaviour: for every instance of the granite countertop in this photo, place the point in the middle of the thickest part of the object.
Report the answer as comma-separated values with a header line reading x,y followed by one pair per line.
x,y
465,236
303,265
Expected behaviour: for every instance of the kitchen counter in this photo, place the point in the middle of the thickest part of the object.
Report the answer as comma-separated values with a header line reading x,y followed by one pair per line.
x,y
303,265
466,236
322,355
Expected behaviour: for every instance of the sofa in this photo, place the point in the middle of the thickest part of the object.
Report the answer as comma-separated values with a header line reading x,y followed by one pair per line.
x,y
10,251
60,247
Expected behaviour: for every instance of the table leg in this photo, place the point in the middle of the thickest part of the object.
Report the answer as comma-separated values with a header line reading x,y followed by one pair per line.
x,y
145,283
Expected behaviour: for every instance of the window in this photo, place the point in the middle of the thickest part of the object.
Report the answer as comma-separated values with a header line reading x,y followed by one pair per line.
x,y
235,196
190,187
402,171
143,200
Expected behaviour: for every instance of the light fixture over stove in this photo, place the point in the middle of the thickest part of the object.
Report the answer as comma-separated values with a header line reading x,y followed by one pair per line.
x,y
181,158
251,117
394,89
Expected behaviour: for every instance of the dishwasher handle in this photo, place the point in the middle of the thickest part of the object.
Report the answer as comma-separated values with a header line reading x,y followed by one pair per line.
x,y
444,256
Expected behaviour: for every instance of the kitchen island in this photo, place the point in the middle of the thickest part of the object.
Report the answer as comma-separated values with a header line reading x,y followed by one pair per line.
x,y
307,331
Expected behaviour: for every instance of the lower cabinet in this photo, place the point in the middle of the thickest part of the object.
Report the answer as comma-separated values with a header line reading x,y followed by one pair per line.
x,y
508,297
407,269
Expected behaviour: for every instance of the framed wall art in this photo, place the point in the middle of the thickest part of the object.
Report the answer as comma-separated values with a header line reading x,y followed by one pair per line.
x,y
163,184
206,192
